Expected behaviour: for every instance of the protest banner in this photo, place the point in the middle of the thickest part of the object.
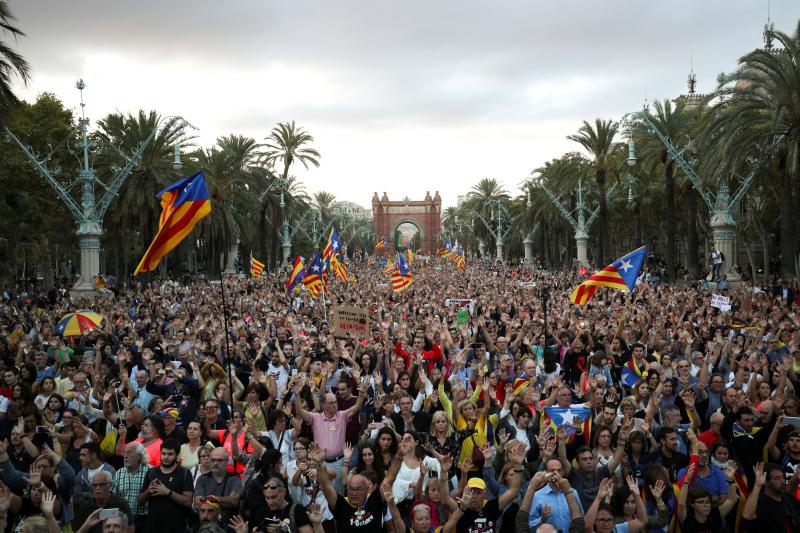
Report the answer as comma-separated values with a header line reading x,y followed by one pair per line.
x,y
349,321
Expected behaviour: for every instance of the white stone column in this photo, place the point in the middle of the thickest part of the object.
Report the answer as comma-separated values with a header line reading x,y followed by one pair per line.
x,y
482,249
528,244
723,228
582,242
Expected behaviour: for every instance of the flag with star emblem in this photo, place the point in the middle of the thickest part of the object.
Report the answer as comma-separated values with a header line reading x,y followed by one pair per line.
x,y
332,258
313,278
401,276
620,275
564,416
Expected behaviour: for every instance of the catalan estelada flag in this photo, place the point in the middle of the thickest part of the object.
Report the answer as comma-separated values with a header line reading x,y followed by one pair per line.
x,y
458,257
313,278
631,373
380,245
564,416
256,267
401,276
183,205
332,258
620,275
295,276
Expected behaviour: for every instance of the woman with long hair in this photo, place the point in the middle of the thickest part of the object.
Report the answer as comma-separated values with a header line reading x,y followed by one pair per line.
x,y
414,468
440,436
659,499
387,444
81,433
369,460
54,410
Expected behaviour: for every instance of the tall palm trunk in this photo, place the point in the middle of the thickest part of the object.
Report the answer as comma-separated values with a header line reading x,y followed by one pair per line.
x,y
787,218
602,249
692,241
671,244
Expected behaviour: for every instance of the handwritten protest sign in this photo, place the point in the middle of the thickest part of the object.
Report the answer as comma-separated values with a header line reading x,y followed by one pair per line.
x,y
723,303
349,321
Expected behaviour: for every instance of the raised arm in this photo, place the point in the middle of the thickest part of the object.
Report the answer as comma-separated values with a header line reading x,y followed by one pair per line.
x,y
298,408
318,455
603,492
356,407
687,480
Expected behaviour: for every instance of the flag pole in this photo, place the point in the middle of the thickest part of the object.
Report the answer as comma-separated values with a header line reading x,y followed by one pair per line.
x,y
228,356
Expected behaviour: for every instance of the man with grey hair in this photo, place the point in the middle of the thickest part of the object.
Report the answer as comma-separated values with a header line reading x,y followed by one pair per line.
x,y
116,523
225,486
102,498
129,479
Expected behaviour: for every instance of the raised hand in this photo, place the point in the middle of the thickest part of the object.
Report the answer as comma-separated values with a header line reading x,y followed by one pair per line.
x,y
761,476
48,500
316,453
314,513
632,484
446,463
5,499
35,476
658,489
546,512
238,525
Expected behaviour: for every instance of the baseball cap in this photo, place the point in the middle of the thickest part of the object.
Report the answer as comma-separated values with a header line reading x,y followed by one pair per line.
x,y
476,483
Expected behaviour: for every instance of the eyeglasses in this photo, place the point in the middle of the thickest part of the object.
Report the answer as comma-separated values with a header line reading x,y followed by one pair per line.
x,y
604,520
300,448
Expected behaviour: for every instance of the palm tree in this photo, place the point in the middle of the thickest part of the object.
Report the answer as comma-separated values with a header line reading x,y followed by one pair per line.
x,y
132,222
323,202
11,63
286,143
672,122
598,141
485,199
760,102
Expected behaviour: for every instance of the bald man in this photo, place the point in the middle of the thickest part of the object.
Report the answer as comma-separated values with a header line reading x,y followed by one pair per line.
x,y
712,434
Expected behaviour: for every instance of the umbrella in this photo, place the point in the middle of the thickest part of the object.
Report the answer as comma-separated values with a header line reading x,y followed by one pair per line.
x,y
77,323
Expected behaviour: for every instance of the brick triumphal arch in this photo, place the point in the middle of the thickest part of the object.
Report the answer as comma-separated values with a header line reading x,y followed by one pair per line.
x,y
425,214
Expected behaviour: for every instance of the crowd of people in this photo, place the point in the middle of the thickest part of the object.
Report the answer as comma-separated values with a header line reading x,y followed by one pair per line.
x,y
674,415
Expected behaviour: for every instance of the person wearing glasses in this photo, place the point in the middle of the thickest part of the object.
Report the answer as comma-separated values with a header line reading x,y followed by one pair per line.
x,y
600,515
225,486
277,510
102,499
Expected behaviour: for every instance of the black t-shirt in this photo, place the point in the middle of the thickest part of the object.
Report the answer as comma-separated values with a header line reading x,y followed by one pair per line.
x,y
770,515
163,513
481,521
713,523
300,515
365,519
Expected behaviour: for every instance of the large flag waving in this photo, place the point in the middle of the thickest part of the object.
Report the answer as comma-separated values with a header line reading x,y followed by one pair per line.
x,y
295,276
313,278
620,275
183,205
401,276
332,258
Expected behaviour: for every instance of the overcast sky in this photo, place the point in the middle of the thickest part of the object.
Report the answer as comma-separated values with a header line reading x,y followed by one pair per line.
x,y
402,97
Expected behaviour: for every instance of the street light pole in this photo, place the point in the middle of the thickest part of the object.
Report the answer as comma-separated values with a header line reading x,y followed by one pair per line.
x,y
89,214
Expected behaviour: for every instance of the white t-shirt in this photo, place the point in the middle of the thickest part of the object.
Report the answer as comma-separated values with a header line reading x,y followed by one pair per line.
x,y
280,374
301,495
401,489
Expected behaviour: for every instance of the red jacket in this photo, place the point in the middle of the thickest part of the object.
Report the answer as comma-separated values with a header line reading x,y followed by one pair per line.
x,y
432,357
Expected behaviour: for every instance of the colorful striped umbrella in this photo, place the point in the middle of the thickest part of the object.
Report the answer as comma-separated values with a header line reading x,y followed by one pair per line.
x,y
77,323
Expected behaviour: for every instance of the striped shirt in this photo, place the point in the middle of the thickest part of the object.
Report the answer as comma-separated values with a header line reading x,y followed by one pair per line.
x,y
128,486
